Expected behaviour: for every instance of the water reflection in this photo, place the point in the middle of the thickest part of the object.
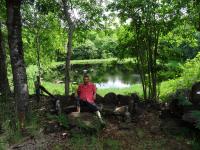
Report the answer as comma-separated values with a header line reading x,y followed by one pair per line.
x,y
104,75
107,75
112,83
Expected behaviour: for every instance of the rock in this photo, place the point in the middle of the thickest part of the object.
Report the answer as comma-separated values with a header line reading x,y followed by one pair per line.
x,y
120,110
188,117
195,94
124,100
135,97
108,110
69,109
175,108
74,115
125,126
154,129
52,127
99,99
170,126
86,122
111,99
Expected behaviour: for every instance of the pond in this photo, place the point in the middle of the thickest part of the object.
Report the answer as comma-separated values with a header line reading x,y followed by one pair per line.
x,y
107,75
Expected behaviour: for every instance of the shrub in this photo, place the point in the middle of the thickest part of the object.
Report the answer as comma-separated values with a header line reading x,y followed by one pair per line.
x,y
190,75
196,115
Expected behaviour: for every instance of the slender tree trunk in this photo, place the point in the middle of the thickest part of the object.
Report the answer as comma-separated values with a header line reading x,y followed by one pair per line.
x,y
17,58
140,61
4,85
68,58
69,44
154,79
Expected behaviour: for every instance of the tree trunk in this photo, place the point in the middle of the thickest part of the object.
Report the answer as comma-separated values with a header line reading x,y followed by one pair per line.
x,y
154,71
17,58
69,44
4,85
67,67
141,62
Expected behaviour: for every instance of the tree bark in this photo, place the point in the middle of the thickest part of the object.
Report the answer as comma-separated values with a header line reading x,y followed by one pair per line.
x,y
154,71
4,85
17,58
141,61
69,44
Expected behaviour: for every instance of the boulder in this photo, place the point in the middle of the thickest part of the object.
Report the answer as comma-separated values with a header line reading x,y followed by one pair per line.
x,y
84,122
195,94
124,100
111,99
135,97
99,99
188,117
178,101
175,108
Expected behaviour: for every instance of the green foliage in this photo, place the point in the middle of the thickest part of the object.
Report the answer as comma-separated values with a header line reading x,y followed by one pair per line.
x,y
11,135
41,32
190,75
89,128
195,144
32,73
9,124
170,70
193,8
79,142
85,51
196,115
124,47
95,45
147,23
88,14
2,10
179,44
61,119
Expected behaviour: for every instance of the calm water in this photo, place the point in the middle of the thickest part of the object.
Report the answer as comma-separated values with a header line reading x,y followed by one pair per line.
x,y
107,75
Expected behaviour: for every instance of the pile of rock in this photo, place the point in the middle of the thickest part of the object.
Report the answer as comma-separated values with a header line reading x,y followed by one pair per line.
x,y
184,102
110,104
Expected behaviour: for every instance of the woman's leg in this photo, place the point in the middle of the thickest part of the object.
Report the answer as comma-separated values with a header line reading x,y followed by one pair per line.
x,y
78,104
93,107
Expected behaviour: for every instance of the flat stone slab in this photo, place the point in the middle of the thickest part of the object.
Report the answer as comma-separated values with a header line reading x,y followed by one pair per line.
x,y
84,120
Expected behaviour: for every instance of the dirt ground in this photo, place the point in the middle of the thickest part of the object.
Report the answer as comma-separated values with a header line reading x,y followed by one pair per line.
x,y
146,134
147,131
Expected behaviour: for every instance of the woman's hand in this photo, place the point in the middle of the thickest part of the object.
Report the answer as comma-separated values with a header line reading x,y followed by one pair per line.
x,y
94,96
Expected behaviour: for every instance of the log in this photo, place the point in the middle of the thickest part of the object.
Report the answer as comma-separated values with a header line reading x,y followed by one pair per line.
x,y
46,91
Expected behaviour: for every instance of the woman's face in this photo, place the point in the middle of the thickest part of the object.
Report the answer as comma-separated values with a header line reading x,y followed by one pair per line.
x,y
86,80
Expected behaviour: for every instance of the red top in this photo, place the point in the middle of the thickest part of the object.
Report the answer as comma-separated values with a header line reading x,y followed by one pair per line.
x,y
86,92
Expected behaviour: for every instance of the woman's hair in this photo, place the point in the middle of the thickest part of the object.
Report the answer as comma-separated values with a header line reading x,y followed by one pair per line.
x,y
85,76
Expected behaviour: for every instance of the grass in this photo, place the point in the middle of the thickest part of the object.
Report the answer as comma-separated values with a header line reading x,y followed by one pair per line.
x,y
11,131
58,89
136,88
82,142
94,61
